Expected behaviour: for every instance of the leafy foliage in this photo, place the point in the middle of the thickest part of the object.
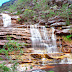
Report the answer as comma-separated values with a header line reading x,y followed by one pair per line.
x,y
4,68
65,12
10,46
69,36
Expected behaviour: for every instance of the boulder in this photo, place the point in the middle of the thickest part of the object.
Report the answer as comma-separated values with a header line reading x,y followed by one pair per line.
x,y
54,18
67,27
42,22
57,24
54,7
40,56
14,13
14,17
7,12
56,21
37,56
23,10
48,57
51,22
63,32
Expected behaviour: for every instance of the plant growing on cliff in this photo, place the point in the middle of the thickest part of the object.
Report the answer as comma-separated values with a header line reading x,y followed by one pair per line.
x,y
65,12
69,36
10,46
28,14
4,68
66,38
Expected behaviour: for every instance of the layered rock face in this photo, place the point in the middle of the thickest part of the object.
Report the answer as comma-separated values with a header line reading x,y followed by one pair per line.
x,y
60,2
1,20
56,21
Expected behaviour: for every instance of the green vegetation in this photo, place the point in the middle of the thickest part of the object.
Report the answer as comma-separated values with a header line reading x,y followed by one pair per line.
x,y
50,71
10,46
31,11
67,38
6,5
4,68
35,10
65,12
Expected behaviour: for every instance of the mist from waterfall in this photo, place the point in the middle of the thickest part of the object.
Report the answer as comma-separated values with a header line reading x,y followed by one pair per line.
x,y
6,20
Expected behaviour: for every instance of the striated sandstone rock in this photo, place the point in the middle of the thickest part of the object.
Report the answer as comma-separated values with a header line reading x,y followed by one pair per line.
x,y
57,24
63,32
42,22
14,17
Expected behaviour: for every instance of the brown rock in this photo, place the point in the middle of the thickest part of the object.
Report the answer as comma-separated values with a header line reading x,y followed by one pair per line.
x,y
37,56
1,20
57,24
3,57
42,22
63,32
47,56
14,17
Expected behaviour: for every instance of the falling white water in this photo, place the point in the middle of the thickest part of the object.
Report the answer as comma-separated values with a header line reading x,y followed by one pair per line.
x,y
45,36
67,59
40,40
54,48
36,38
6,20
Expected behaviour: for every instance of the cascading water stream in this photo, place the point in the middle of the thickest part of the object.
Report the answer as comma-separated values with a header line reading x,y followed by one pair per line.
x,y
54,45
67,59
36,37
6,20
40,40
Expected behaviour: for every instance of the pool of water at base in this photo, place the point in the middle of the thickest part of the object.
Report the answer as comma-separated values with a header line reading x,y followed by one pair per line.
x,y
57,68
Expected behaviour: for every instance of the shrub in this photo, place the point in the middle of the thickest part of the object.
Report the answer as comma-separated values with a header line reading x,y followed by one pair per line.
x,y
9,47
4,68
66,38
65,12
69,36
28,14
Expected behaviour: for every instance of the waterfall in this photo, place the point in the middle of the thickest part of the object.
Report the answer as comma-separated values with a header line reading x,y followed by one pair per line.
x,y
6,20
54,48
36,37
41,41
